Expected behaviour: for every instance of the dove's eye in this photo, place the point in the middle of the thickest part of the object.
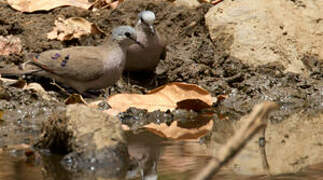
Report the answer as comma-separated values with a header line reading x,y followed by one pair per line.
x,y
127,34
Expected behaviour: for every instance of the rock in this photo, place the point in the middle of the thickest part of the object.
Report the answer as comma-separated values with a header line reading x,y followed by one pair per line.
x,y
299,140
263,31
35,87
4,94
91,140
291,145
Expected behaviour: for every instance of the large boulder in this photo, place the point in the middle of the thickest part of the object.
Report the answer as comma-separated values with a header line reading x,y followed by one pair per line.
x,y
91,140
291,145
264,31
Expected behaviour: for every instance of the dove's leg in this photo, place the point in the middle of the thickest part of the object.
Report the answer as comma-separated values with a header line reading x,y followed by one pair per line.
x,y
60,88
128,78
109,91
155,80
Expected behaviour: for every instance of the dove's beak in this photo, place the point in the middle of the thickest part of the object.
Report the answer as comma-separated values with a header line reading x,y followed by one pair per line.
x,y
141,45
152,29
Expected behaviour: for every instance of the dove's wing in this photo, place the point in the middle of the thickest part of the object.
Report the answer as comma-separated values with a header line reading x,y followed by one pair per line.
x,y
78,63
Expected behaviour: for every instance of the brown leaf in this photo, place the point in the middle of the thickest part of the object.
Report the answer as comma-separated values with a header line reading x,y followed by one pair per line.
x,y
161,98
101,4
10,45
177,133
216,2
169,96
74,27
192,104
74,99
46,5
19,84
1,114
194,121
115,4
222,97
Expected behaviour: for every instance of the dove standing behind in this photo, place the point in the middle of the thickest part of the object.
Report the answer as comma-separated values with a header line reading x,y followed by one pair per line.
x,y
145,58
84,67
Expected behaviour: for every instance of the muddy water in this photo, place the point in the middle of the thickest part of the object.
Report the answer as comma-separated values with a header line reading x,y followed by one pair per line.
x,y
177,160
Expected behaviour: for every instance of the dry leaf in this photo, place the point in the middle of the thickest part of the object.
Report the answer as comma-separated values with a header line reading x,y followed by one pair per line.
x,y
74,27
177,133
75,98
216,2
115,4
217,100
101,4
192,104
184,127
46,5
1,114
22,84
222,97
10,45
161,98
169,96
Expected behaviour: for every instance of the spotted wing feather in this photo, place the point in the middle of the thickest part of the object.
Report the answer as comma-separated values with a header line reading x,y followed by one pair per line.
x,y
68,62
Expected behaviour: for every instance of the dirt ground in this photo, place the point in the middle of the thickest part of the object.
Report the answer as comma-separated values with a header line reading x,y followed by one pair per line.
x,y
192,57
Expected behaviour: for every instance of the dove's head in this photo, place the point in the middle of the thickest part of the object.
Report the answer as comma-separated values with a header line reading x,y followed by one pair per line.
x,y
147,19
125,35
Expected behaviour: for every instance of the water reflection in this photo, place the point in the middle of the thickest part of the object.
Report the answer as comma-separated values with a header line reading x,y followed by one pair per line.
x,y
144,150
182,160
151,157
15,167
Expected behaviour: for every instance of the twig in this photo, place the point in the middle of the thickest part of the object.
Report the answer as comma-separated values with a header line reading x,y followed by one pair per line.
x,y
262,146
253,124
216,2
23,65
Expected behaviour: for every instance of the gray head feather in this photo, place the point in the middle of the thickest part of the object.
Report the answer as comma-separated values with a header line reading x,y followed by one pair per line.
x,y
125,35
124,32
147,17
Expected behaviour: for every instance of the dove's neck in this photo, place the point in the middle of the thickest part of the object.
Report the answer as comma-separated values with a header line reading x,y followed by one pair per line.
x,y
111,43
115,44
114,56
140,27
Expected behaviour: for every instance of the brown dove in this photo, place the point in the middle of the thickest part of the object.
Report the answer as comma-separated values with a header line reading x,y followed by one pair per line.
x,y
145,58
84,67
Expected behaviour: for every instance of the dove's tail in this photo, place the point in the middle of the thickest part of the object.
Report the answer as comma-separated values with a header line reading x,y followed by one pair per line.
x,y
16,71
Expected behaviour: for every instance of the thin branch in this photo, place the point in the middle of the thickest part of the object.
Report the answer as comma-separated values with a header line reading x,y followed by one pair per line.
x,y
253,124
262,146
